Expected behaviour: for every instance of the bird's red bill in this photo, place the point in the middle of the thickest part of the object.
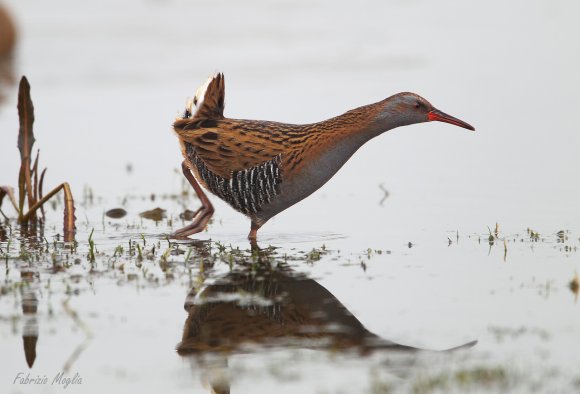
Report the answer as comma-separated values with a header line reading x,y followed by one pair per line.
x,y
443,117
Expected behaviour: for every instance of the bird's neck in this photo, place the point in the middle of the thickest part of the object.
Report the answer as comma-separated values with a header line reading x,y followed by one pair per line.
x,y
335,140
361,124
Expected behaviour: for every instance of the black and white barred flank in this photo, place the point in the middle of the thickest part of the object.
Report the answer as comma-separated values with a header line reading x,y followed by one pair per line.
x,y
246,191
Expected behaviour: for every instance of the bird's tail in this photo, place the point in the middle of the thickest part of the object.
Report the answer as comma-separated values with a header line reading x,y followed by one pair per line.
x,y
209,100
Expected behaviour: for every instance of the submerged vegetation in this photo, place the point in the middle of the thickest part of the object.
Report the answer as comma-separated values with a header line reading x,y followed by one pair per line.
x,y
494,379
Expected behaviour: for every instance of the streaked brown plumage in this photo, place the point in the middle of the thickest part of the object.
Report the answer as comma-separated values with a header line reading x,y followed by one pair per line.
x,y
261,167
270,307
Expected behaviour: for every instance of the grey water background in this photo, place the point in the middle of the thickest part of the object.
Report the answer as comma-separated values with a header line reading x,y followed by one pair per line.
x,y
108,78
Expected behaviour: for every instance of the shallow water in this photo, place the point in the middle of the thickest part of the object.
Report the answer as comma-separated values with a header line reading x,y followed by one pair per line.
x,y
415,268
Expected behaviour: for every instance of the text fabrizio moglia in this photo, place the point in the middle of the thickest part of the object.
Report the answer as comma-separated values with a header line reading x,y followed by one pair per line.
x,y
59,379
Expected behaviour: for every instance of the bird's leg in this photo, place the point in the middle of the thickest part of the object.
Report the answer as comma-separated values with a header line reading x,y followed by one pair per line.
x,y
253,235
202,215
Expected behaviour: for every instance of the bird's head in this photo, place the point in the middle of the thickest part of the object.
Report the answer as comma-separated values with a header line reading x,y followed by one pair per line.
x,y
409,108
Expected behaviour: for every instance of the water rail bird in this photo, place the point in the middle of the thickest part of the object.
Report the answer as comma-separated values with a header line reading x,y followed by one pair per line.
x,y
261,168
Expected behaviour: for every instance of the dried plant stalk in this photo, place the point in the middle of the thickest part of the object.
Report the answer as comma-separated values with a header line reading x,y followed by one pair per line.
x,y
35,174
27,189
21,192
40,191
69,208
25,142
69,214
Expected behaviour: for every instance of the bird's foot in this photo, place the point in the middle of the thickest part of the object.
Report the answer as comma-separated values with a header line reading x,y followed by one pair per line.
x,y
201,218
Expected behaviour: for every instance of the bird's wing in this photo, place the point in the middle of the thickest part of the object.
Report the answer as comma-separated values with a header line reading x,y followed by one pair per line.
x,y
229,145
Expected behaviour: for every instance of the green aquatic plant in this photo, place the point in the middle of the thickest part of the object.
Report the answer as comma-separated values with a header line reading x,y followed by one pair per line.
x,y
92,247
465,379
491,237
505,249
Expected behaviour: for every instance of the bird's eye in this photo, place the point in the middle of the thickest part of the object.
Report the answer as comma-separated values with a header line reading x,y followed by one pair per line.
x,y
417,105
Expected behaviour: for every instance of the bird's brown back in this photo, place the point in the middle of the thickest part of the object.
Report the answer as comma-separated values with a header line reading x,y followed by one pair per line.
x,y
229,145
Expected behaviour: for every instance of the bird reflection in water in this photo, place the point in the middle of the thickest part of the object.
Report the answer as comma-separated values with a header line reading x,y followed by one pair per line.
x,y
261,306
